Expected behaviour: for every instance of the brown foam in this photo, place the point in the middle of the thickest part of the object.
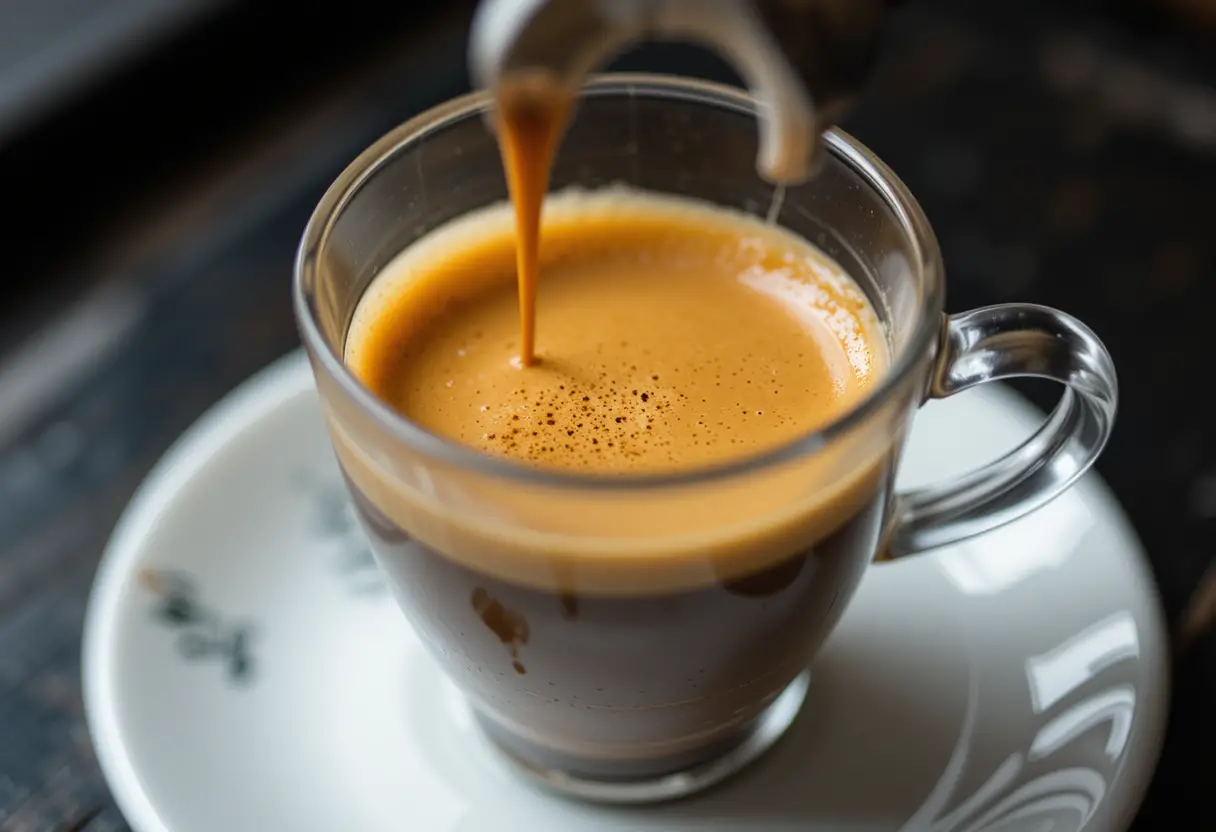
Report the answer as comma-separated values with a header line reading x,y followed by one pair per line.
x,y
671,335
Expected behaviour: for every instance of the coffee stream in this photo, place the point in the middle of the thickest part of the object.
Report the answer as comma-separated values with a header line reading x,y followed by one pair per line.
x,y
532,113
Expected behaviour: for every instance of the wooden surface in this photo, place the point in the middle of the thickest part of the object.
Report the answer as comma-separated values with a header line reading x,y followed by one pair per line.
x,y
1042,183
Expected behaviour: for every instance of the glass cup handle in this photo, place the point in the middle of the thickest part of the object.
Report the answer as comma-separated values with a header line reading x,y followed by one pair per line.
x,y
1004,342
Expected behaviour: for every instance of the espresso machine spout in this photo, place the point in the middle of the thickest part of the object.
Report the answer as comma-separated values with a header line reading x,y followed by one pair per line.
x,y
803,60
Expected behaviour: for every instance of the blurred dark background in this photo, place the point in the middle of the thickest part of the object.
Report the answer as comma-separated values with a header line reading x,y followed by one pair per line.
x,y
158,161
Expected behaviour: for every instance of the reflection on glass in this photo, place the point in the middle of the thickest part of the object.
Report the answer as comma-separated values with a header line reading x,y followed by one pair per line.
x,y
1058,672
1116,705
1021,550
1065,797
1062,799
1070,793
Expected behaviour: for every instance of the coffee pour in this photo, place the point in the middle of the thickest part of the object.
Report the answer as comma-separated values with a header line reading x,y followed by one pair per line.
x,y
804,60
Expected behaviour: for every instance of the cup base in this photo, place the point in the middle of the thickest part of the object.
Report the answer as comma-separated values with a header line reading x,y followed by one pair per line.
x,y
673,778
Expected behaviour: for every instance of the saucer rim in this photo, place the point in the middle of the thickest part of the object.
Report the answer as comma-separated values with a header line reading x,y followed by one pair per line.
x,y
262,393
277,385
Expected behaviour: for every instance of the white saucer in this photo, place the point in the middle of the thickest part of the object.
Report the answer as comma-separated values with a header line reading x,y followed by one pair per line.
x,y
245,670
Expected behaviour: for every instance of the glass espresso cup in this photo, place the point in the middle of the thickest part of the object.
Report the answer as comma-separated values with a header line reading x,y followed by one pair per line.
x,y
639,638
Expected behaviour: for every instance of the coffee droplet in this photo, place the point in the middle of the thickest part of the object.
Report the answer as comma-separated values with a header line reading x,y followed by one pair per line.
x,y
509,626
569,603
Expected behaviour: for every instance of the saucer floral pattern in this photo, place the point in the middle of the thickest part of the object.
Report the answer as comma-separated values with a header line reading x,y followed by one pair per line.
x,y
202,633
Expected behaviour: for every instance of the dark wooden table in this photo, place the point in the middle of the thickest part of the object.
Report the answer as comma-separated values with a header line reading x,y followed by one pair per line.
x,y
1062,160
